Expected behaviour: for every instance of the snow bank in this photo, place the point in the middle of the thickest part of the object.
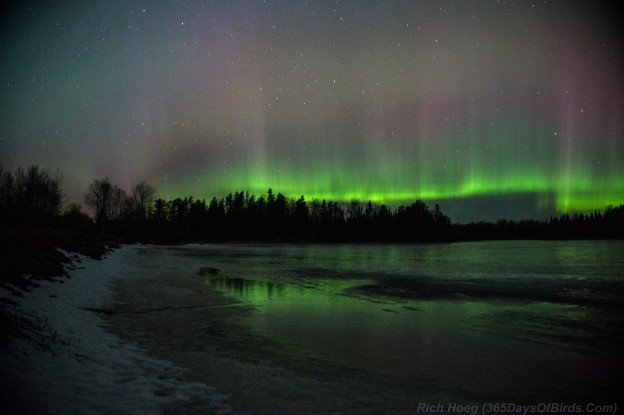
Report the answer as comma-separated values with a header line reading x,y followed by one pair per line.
x,y
73,365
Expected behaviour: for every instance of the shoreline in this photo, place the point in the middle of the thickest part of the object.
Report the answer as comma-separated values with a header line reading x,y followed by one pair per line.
x,y
70,362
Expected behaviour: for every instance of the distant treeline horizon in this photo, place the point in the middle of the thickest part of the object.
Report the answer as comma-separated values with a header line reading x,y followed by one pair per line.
x,y
34,197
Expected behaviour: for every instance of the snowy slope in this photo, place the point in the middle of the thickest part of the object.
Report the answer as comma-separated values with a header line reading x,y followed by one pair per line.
x,y
71,364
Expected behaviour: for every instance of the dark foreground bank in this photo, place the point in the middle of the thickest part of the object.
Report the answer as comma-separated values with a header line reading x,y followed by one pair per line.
x,y
30,253
67,361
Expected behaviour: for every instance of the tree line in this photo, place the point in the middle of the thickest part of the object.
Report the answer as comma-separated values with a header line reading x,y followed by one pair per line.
x,y
34,196
243,216
606,224
271,217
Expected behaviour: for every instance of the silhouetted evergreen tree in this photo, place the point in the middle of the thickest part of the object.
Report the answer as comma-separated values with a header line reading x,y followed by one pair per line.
x,y
216,219
255,217
198,219
301,217
161,211
414,222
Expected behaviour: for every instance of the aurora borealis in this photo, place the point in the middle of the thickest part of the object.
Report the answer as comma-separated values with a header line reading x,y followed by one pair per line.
x,y
492,109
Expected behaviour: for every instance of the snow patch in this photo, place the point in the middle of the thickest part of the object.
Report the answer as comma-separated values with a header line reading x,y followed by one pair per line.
x,y
71,364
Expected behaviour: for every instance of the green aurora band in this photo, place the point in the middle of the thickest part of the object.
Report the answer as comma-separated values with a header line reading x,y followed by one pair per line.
x,y
582,182
459,102
569,193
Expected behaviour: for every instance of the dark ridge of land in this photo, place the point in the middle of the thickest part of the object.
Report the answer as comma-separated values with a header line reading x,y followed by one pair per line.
x,y
31,253
243,218
28,254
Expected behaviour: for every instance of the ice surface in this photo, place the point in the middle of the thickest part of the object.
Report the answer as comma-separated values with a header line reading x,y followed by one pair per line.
x,y
72,364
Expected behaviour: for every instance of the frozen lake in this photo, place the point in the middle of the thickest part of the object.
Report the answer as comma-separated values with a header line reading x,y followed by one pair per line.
x,y
519,321
325,328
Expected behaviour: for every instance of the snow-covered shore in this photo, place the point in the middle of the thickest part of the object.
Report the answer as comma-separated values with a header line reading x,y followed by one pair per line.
x,y
72,364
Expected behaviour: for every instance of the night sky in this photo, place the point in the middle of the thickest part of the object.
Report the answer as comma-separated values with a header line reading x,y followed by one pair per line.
x,y
492,109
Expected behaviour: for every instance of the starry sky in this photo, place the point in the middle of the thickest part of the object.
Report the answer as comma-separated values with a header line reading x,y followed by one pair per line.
x,y
491,108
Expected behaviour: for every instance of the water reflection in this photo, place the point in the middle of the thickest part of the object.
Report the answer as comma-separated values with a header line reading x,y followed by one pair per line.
x,y
480,347
451,313
248,290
